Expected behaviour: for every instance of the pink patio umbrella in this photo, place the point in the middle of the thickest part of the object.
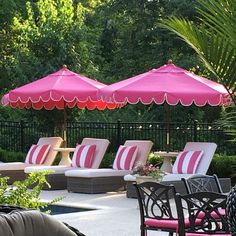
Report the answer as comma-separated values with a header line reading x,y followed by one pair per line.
x,y
60,90
167,84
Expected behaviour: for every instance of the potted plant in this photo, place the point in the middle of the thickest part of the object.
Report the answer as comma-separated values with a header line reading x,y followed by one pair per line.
x,y
147,172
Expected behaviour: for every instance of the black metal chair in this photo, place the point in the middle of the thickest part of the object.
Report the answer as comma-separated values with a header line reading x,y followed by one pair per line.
x,y
156,212
204,218
202,183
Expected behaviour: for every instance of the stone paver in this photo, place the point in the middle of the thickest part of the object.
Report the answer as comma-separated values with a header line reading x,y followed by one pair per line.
x,y
115,215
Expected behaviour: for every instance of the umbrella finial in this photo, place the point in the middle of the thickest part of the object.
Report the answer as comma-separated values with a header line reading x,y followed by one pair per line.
x,y
169,62
65,66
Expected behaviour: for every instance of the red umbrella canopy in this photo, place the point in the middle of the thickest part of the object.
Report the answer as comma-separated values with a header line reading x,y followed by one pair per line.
x,y
169,84
61,89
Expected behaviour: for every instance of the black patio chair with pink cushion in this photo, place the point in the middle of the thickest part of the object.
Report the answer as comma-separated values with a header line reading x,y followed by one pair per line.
x,y
203,212
156,207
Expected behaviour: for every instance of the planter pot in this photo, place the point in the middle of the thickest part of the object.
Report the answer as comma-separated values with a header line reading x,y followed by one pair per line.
x,y
141,179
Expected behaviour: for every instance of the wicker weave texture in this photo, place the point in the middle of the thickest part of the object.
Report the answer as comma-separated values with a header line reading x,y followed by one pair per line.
x,y
231,210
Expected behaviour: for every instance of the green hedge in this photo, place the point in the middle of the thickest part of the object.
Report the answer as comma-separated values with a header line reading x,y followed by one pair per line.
x,y
7,156
223,166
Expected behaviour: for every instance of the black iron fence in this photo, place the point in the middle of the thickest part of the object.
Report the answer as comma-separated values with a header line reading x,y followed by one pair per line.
x,y
18,136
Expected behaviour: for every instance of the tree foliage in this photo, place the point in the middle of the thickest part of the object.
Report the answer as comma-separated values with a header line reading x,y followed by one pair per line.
x,y
19,195
109,40
213,40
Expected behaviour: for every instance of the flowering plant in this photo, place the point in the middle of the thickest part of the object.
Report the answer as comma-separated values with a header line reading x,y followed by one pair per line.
x,y
148,170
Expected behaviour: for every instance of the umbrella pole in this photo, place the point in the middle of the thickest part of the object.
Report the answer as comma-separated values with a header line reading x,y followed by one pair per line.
x,y
167,128
65,126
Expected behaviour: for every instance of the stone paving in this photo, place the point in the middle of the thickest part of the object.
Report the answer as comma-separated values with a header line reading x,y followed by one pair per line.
x,y
115,215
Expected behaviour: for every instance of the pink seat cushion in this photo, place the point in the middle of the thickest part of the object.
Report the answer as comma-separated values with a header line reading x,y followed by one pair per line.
x,y
125,158
83,156
169,224
37,154
187,162
213,214
196,234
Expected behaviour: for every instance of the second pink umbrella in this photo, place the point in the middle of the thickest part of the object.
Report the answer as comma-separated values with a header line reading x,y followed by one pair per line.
x,y
168,84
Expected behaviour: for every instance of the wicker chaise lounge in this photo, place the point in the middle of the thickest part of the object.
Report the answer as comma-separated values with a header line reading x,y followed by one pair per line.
x,y
104,180
204,163
57,179
15,170
175,179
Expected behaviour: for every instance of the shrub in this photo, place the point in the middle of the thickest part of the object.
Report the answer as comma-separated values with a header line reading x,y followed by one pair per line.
x,y
19,194
8,156
107,160
154,160
223,166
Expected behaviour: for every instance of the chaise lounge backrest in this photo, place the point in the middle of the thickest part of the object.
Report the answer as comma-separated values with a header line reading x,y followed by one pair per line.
x,y
208,152
144,148
101,147
205,161
55,142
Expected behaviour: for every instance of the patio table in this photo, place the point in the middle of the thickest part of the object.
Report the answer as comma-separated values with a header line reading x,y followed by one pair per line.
x,y
65,157
167,156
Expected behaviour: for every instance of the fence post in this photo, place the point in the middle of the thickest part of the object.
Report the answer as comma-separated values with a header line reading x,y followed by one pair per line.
x,y
22,136
195,122
118,132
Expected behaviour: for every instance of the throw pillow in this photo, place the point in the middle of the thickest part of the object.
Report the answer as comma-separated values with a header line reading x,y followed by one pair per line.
x,y
187,162
37,154
83,156
125,158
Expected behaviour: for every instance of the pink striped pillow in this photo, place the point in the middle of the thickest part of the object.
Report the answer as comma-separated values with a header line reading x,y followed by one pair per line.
x,y
187,162
37,154
83,156
125,158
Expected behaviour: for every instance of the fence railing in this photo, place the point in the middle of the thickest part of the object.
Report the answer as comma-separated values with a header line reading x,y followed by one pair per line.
x,y
18,136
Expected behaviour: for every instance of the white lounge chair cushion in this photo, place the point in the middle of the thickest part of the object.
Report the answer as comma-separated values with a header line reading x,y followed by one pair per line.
x,y
90,173
55,169
125,158
175,177
83,156
37,154
13,166
187,162
130,177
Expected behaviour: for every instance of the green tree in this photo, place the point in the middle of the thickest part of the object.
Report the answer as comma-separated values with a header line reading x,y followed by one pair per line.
x,y
214,40
43,38
132,42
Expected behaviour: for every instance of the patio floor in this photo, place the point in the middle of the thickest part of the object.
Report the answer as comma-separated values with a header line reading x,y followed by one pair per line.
x,y
116,215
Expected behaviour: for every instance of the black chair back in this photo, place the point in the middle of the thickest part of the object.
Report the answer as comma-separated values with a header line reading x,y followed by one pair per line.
x,y
202,183
154,200
205,212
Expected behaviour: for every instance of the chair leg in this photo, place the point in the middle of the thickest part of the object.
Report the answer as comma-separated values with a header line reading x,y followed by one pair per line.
x,y
171,233
143,232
